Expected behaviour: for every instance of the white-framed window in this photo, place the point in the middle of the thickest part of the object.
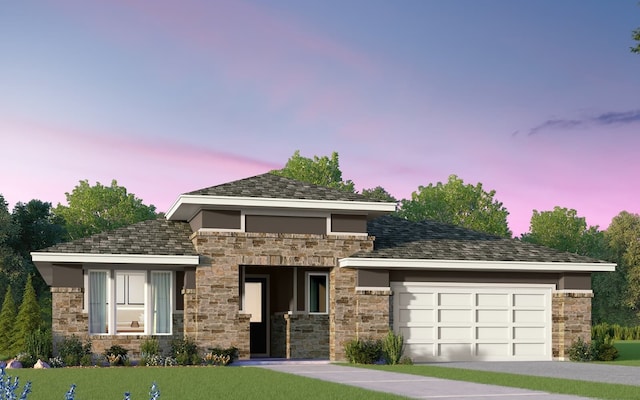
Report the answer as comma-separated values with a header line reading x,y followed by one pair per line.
x,y
317,293
124,302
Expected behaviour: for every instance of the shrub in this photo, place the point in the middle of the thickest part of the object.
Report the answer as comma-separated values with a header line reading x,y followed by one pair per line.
x,y
28,318
117,355
366,351
602,349
73,352
392,348
231,353
185,352
150,352
406,360
7,320
39,344
580,351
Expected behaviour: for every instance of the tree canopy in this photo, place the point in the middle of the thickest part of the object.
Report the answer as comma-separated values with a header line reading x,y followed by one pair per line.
x,y
636,37
94,209
323,171
378,193
456,203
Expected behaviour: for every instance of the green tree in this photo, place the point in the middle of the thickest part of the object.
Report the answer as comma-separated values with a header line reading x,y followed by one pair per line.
x,y
378,193
28,318
636,36
7,321
623,237
459,204
560,229
94,209
11,264
323,171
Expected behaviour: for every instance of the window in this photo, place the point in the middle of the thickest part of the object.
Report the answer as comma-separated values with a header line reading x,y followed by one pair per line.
x,y
130,302
317,292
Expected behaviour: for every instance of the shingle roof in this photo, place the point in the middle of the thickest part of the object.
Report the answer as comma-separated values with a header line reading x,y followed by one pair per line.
x,y
274,186
152,237
402,239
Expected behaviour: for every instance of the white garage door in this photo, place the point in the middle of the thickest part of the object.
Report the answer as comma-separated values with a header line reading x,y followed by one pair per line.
x,y
454,322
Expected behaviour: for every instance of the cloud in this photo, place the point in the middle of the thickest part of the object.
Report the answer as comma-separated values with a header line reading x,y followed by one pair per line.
x,y
608,118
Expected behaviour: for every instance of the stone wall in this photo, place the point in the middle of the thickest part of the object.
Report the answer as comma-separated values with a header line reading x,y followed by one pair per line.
x,y
307,336
278,335
213,312
571,317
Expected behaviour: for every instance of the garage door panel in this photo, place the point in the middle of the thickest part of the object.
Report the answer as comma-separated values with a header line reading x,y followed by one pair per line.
x,y
454,351
492,322
423,316
454,333
416,299
492,333
528,316
454,299
417,334
454,316
492,300
529,332
528,349
529,300
492,316
492,350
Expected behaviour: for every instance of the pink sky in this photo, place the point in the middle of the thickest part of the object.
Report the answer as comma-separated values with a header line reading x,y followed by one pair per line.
x,y
538,101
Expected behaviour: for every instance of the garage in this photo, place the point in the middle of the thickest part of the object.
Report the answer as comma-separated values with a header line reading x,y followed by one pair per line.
x,y
479,322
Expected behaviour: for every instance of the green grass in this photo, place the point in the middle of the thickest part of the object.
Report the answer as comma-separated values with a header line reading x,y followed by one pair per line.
x,y
629,353
553,385
191,383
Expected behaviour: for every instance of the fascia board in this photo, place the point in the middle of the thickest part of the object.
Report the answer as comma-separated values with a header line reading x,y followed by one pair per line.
x,y
394,263
114,258
265,202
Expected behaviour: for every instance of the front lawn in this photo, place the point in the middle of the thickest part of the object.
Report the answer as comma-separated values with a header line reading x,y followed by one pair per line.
x,y
553,385
629,351
191,383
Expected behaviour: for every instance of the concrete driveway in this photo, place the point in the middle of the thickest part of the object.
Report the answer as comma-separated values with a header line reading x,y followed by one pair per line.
x,y
410,386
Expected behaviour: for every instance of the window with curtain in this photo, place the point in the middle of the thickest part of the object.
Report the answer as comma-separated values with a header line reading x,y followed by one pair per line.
x,y
130,302
98,314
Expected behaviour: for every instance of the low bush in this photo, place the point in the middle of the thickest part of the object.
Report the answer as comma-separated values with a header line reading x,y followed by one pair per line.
x,y
615,331
392,348
73,352
363,351
600,349
185,352
117,355
150,353
580,351
230,353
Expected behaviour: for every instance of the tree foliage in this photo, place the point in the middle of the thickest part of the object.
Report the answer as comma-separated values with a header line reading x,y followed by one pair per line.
x,y
28,319
636,36
378,193
459,204
98,208
7,320
561,229
323,171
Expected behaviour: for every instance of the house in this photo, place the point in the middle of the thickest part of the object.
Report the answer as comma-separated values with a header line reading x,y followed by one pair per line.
x,y
281,268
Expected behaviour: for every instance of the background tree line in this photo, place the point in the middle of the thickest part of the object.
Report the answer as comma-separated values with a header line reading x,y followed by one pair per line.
x,y
92,209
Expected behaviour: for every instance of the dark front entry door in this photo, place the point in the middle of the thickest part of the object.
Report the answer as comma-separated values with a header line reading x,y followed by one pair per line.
x,y
255,292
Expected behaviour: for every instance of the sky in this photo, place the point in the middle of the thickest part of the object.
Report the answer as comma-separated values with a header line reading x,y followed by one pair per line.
x,y
537,100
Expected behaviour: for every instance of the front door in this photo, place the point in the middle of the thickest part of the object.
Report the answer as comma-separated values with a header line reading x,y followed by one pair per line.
x,y
255,303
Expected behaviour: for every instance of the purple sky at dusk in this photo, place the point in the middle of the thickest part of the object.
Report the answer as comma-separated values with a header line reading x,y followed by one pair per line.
x,y
538,100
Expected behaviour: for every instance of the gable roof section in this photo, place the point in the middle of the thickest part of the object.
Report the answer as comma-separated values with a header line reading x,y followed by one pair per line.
x,y
274,191
401,243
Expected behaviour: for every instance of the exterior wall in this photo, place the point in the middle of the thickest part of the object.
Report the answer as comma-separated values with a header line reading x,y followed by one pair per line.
x,y
307,336
212,311
68,319
571,317
278,335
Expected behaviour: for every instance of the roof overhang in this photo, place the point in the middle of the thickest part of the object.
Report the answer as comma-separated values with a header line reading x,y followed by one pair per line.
x,y
470,265
187,206
43,257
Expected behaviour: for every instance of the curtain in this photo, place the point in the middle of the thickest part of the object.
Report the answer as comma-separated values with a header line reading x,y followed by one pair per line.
x,y
161,296
98,301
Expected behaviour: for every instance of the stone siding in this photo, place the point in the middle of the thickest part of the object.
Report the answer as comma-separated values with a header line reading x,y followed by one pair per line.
x,y
214,317
307,336
571,319
278,335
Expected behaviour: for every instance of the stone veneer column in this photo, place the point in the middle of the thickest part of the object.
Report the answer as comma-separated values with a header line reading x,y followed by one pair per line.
x,y
67,316
571,318
373,320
